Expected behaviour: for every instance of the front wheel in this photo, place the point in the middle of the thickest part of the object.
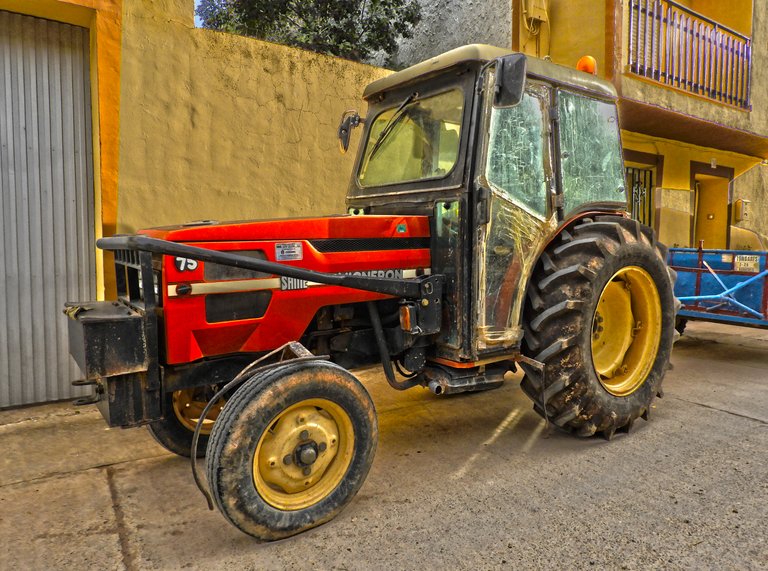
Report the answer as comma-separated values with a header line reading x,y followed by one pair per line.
x,y
600,316
291,448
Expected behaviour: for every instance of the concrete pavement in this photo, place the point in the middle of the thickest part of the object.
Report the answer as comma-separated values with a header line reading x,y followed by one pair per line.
x,y
471,481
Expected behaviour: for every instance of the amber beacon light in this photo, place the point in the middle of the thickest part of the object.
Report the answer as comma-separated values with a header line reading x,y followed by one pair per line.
x,y
588,64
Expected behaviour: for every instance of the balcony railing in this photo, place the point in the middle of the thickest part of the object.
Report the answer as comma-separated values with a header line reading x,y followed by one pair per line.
x,y
675,46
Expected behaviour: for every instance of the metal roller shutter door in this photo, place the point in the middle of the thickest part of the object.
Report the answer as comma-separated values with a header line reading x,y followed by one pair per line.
x,y
46,203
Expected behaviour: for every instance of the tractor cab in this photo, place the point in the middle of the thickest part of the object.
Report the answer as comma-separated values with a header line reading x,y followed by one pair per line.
x,y
500,151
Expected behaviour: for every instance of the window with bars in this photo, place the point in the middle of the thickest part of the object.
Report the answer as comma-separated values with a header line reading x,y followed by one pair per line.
x,y
640,194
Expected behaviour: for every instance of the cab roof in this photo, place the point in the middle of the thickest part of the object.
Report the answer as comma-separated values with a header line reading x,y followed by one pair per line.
x,y
537,68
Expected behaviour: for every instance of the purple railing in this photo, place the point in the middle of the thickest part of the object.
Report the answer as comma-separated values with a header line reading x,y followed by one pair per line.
x,y
675,46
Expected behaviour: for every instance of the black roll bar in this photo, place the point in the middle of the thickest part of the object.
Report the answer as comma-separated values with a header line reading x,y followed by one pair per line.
x,y
415,288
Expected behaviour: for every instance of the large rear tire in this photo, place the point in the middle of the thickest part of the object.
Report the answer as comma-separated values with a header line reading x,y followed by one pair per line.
x,y
600,316
291,448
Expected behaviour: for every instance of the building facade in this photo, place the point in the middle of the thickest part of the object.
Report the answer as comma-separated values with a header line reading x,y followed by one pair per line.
x,y
691,77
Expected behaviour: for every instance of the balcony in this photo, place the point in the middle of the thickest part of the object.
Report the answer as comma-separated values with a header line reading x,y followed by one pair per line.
x,y
672,45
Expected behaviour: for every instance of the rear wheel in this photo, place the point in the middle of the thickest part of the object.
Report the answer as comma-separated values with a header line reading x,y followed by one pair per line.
x,y
600,316
291,448
182,411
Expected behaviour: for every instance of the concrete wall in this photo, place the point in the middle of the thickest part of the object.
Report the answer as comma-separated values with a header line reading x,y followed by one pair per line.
x,y
218,126
751,185
448,24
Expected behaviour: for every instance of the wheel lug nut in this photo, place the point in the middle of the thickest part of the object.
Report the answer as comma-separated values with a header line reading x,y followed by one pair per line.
x,y
300,420
272,462
287,460
322,446
304,435
307,471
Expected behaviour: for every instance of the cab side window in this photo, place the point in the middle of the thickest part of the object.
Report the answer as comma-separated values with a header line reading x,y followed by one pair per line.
x,y
590,146
517,148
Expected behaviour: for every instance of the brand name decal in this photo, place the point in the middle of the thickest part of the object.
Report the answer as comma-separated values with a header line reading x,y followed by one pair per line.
x,y
291,284
389,274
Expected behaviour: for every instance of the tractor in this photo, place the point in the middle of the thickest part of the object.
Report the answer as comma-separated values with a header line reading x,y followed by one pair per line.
x,y
486,229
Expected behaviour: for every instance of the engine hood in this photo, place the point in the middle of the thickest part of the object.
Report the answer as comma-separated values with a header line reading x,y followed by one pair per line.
x,y
329,227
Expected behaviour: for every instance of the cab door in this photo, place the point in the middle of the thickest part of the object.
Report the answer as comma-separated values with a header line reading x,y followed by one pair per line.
x,y
515,215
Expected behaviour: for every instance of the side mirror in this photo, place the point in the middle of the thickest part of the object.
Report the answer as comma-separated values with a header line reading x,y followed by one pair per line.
x,y
510,80
349,120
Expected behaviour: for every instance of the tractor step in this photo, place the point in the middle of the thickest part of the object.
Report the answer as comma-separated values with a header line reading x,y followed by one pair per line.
x,y
447,381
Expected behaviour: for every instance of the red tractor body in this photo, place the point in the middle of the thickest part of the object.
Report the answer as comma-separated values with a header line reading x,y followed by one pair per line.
x,y
213,312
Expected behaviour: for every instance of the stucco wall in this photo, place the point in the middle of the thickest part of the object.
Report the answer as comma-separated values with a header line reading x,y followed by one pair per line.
x,y
577,28
217,126
448,24
752,185
678,157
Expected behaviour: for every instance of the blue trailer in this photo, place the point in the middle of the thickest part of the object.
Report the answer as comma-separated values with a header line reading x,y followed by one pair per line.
x,y
728,286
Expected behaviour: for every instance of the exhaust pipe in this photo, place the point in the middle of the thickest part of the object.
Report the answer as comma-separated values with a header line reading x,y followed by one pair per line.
x,y
436,387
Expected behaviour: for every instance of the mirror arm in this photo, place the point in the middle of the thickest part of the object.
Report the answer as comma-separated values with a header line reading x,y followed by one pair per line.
x,y
349,120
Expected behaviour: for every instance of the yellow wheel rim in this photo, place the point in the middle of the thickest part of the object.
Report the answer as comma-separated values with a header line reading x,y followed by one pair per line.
x,y
626,331
188,405
304,454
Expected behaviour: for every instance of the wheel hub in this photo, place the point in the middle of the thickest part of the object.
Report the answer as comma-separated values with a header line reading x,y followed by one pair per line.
x,y
626,330
188,405
297,450
306,454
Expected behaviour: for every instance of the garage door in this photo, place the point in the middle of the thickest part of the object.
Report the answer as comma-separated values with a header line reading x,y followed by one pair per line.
x,y
46,208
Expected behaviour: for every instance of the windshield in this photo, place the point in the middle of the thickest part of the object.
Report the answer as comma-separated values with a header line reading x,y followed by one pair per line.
x,y
416,142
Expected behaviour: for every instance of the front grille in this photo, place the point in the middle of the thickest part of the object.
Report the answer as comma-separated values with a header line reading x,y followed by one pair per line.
x,y
127,257
368,244
130,285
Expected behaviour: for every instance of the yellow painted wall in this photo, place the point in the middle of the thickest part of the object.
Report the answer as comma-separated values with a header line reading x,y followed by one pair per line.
x,y
735,14
226,127
532,38
103,19
750,182
678,157
577,28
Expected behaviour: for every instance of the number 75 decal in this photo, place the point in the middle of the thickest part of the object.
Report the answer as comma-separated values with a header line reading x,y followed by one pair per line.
x,y
185,264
